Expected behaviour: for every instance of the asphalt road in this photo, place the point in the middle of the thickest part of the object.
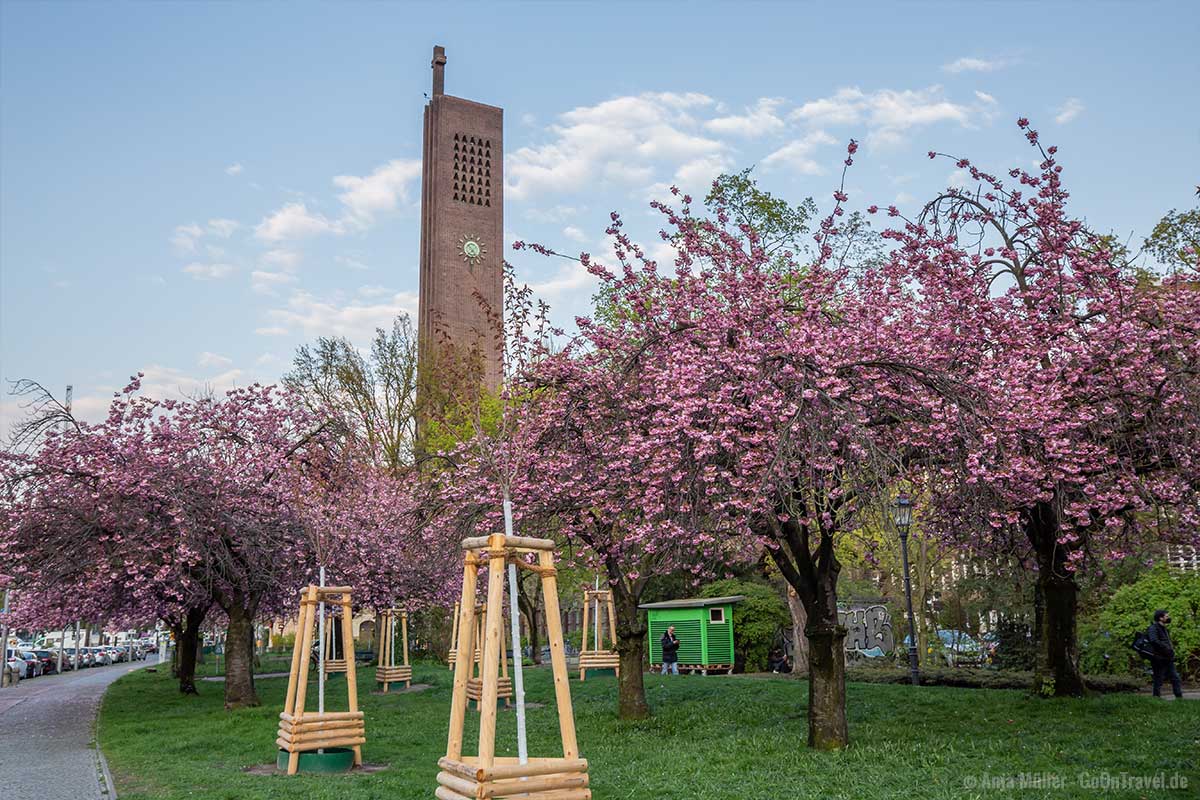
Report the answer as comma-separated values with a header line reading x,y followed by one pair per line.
x,y
48,735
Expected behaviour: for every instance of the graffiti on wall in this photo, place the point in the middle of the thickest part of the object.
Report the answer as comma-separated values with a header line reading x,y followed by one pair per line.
x,y
868,630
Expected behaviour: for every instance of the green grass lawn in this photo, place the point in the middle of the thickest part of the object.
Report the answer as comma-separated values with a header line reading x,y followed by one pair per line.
x,y
714,738
271,662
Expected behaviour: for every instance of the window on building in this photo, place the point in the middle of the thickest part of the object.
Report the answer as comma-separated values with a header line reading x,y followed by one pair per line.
x,y
716,616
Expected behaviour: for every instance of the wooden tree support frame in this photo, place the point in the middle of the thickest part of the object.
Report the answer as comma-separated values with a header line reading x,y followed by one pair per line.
x,y
598,611
333,664
388,671
452,656
475,682
484,775
301,731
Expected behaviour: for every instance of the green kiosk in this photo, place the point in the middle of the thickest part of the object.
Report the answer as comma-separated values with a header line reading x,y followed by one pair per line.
x,y
704,627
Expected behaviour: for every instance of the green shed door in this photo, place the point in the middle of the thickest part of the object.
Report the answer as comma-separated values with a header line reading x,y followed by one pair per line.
x,y
688,629
718,624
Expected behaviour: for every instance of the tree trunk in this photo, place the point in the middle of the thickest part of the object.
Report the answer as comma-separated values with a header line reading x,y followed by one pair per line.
x,y
187,642
631,646
827,728
1057,672
185,649
535,642
814,576
529,609
239,660
799,637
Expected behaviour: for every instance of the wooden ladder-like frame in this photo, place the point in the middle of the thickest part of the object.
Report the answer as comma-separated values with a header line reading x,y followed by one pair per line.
x,y
485,775
301,731
388,671
598,657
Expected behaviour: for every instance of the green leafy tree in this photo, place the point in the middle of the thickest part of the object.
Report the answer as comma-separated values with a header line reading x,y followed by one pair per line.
x,y
1130,610
375,393
1175,240
758,620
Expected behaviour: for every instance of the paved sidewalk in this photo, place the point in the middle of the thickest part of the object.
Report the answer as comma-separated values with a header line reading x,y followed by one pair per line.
x,y
47,735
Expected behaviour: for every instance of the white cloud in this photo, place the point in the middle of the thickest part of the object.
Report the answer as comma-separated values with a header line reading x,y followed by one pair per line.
x,y
185,236
552,215
208,272
373,291
295,221
213,360
362,197
985,97
281,259
968,64
889,113
223,228
1069,110
386,188
664,253
575,234
272,330
234,169
266,282
958,179
621,140
700,172
351,263
571,279
845,107
760,120
356,320
797,154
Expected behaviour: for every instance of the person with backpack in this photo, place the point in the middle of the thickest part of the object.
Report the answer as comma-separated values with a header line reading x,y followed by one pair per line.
x,y
1162,660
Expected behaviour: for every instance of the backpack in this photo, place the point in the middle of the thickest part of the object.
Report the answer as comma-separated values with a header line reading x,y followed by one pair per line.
x,y
1142,645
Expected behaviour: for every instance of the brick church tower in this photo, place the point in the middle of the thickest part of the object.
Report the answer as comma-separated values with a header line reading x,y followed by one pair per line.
x,y
462,225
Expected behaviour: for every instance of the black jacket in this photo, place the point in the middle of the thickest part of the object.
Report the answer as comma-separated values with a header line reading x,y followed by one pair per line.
x,y
1160,639
670,647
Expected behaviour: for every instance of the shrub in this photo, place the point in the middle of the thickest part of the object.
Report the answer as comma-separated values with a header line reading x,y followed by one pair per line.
x,y
757,620
1105,639
1015,645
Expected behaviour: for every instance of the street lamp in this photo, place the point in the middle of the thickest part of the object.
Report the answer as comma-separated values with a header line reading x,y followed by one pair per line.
x,y
902,517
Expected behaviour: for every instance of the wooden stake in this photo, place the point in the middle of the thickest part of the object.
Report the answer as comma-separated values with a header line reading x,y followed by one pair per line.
x,y
348,654
491,651
404,642
463,658
454,638
558,658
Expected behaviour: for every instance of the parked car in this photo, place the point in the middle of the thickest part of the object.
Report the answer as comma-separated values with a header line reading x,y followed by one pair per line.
x,y
49,659
36,668
26,667
100,657
69,655
957,648
14,669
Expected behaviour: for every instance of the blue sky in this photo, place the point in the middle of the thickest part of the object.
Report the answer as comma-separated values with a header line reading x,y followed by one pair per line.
x,y
194,190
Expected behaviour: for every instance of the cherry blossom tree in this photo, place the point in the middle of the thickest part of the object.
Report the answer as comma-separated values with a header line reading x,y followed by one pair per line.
x,y
92,522
1084,379
735,404
169,507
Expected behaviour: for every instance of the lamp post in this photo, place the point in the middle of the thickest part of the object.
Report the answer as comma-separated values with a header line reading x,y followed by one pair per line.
x,y
902,517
